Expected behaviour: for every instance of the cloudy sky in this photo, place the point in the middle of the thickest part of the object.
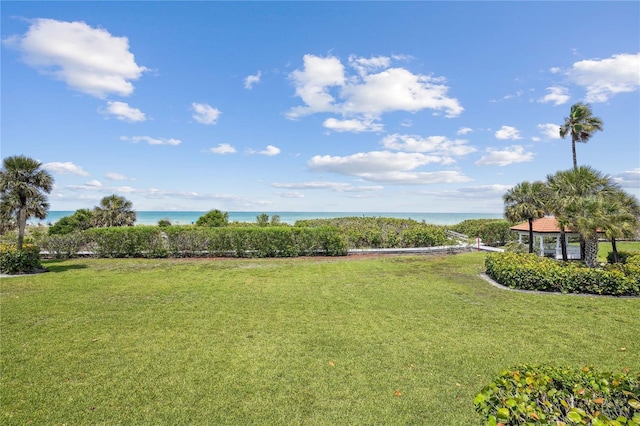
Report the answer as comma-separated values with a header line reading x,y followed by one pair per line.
x,y
324,106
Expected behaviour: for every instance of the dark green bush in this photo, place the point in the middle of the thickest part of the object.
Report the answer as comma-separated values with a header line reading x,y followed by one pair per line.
x,y
213,219
14,261
546,395
530,272
622,256
79,221
495,233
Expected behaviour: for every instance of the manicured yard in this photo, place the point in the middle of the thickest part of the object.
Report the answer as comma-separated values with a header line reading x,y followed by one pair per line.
x,y
357,340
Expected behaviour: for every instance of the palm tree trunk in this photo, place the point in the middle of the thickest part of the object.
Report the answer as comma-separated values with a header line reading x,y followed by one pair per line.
x,y
573,149
591,251
22,223
614,248
563,245
530,235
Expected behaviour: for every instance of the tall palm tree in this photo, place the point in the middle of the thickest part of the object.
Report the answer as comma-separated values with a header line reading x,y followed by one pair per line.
x,y
526,201
114,210
22,187
584,193
581,124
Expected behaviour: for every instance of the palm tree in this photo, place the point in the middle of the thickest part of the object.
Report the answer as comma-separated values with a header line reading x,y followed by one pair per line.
x,y
581,124
623,218
22,184
526,201
114,210
584,193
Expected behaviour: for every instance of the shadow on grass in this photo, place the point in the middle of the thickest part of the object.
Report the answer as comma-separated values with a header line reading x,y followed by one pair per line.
x,y
52,266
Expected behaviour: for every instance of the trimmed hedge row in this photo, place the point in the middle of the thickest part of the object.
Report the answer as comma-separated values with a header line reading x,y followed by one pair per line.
x,y
190,241
383,232
546,395
14,261
530,272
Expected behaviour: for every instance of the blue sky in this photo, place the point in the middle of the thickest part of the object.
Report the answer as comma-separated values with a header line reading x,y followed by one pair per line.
x,y
315,106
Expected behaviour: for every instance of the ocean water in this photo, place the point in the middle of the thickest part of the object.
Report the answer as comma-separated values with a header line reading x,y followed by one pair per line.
x,y
188,217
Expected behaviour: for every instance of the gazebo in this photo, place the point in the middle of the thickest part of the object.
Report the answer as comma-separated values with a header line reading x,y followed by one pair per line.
x,y
547,228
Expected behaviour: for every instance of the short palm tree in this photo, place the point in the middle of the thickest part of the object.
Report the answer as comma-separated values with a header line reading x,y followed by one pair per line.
x,y
526,201
584,193
22,187
581,124
623,218
114,210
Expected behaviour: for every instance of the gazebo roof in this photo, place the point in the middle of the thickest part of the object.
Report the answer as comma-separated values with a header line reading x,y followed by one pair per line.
x,y
544,225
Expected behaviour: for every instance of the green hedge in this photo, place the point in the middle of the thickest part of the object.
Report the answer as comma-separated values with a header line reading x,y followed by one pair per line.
x,y
382,232
530,272
254,241
546,395
14,261
195,241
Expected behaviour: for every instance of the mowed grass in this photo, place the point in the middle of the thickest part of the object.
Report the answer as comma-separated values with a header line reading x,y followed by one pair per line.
x,y
312,341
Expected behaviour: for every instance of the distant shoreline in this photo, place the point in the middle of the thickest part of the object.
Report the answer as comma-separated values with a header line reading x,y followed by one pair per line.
x,y
187,217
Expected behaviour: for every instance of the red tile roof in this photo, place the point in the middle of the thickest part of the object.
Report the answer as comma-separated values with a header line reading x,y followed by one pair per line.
x,y
547,224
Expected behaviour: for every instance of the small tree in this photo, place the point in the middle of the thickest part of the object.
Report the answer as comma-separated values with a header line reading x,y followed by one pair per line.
x,y
22,187
262,219
213,219
79,221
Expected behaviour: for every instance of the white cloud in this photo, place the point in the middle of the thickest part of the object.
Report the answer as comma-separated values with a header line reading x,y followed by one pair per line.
x,y
250,80
416,178
438,145
67,168
371,162
374,90
386,167
116,176
629,178
205,114
291,194
504,157
508,132
223,148
332,186
550,130
352,125
464,130
93,185
89,60
270,151
122,111
604,78
558,95
150,140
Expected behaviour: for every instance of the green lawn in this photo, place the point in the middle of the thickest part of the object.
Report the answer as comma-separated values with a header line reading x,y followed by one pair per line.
x,y
387,340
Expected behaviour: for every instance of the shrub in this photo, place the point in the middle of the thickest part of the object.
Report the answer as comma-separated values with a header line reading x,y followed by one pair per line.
x,y
381,232
471,227
546,395
515,247
163,223
495,233
63,246
138,241
530,272
622,256
14,261
79,221
213,219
